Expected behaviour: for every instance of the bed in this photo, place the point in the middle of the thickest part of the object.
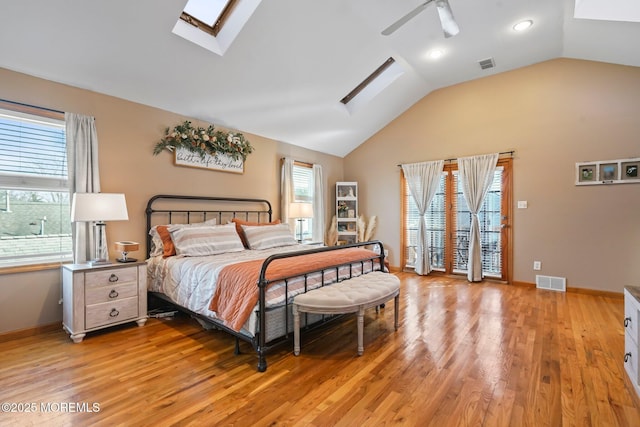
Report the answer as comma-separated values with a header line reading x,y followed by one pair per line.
x,y
233,268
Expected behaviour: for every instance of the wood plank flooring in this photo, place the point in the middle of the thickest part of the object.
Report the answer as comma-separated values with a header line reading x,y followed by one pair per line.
x,y
464,355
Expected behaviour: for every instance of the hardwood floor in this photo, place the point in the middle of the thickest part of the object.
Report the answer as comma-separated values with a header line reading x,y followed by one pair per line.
x,y
468,355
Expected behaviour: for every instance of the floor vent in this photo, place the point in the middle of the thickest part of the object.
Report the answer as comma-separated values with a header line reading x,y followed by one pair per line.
x,y
551,283
486,63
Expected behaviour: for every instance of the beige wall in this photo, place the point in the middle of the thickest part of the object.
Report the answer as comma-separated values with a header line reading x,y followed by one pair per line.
x,y
127,133
553,115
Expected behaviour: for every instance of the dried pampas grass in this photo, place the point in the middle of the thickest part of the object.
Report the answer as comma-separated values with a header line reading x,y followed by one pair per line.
x,y
361,226
365,229
371,228
332,232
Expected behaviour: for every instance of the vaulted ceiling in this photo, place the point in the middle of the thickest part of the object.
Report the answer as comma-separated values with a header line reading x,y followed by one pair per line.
x,y
285,73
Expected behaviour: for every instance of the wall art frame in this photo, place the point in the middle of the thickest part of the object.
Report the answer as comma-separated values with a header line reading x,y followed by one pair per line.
x,y
621,171
219,161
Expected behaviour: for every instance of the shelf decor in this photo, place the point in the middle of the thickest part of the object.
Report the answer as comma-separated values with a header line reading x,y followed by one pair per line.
x,y
623,171
205,147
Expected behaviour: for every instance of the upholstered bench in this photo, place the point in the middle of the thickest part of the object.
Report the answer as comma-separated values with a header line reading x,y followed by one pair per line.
x,y
349,296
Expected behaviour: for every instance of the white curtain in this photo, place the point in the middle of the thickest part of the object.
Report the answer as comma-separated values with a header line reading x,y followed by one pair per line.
x,y
286,192
318,204
83,177
423,180
475,175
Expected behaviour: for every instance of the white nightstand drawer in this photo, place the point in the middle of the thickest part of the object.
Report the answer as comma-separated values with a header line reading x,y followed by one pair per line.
x,y
631,360
110,293
111,312
631,316
111,276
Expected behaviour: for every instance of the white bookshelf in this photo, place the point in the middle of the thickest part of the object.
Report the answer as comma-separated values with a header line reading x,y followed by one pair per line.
x,y
347,212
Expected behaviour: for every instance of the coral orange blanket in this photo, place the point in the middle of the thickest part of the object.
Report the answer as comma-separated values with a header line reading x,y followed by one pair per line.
x,y
237,292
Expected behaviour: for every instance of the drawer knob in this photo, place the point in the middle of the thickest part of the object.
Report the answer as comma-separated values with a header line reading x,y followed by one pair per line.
x,y
627,356
113,278
627,320
113,294
114,313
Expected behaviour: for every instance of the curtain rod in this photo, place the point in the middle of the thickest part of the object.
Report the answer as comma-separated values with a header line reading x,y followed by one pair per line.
x,y
298,162
500,153
31,106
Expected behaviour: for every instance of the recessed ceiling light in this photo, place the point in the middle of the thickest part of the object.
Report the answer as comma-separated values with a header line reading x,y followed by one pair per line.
x,y
435,53
523,25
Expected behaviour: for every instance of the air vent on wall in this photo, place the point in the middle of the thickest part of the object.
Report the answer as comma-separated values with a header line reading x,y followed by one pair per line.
x,y
486,63
551,283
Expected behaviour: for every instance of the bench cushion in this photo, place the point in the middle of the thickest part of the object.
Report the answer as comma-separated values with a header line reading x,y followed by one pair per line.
x,y
352,292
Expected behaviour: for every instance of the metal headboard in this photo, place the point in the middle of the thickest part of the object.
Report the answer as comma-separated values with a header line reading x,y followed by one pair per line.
x,y
178,209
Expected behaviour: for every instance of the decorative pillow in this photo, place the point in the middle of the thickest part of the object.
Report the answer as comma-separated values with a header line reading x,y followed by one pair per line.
x,y
205,239
268,236
161,243
239,223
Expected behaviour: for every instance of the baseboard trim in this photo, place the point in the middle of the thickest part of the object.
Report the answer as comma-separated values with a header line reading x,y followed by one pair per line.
x,y
592,292
29,332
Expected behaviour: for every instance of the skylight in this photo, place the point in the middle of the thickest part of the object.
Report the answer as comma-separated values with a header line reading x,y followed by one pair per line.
x,y
214,24
208,15
371,86
612,10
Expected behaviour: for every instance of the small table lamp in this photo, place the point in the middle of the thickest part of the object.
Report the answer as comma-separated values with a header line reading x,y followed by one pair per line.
x,y
300,211
125,248
98,208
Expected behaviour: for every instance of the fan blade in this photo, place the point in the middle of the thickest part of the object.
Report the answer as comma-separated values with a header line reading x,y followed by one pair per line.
x,y
406,18
449,25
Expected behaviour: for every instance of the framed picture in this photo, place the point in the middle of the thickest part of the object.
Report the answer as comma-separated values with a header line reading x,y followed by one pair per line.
x,y
220,162
587,173
351,226
608,172
630,170
605,172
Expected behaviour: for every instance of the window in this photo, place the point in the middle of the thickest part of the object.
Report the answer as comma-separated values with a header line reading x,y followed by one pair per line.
x,y
303,192
214,24
208,15
449,220
35,227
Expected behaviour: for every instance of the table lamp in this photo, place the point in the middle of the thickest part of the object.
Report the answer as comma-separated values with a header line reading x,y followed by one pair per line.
x,y
300,211
98,208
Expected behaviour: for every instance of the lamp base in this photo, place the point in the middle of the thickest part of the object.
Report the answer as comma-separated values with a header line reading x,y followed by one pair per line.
x,y
126,259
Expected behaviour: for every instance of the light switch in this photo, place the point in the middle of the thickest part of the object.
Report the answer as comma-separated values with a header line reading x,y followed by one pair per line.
x,y
522,204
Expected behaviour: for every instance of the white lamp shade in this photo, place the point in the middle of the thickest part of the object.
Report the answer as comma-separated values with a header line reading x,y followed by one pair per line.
x,y
98,207
301,210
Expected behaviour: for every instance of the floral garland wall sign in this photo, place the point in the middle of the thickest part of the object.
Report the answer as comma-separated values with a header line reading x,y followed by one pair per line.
x,y
205,147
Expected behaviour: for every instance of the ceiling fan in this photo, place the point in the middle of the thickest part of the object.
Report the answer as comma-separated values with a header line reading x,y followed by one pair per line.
x,y
448,22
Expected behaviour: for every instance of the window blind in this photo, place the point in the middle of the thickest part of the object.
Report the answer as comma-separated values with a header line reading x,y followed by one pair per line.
x,y
32,152
303,183
436,226
489,218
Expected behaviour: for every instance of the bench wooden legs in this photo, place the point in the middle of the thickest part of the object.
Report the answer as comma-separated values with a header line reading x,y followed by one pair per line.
x,y
360,324
395,311
296,330
360,331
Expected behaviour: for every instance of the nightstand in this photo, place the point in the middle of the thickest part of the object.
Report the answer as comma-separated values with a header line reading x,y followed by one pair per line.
x,y
632,335
102,296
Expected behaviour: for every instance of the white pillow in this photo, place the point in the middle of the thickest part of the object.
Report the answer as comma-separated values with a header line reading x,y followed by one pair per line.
x,y
157,247
205,239
268,236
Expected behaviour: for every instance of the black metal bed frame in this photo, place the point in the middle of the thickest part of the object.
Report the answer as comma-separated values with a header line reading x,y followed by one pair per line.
x,y
258,341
